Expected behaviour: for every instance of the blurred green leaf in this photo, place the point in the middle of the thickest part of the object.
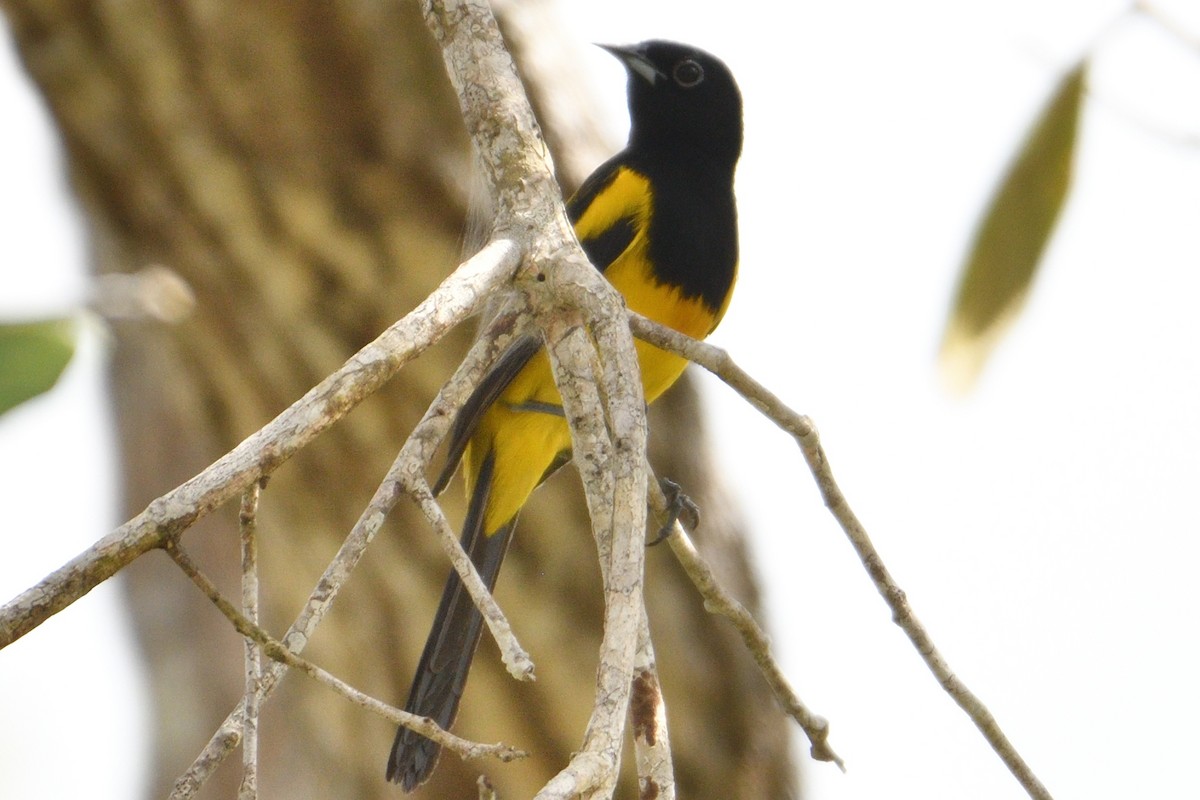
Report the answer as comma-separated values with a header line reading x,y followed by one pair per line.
x,y
32,357
1012,236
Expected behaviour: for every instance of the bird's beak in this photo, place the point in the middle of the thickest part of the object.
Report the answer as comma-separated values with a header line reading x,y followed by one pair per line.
x,y
635,62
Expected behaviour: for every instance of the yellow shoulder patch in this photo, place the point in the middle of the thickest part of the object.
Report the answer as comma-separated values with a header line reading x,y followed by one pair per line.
x,y
626,196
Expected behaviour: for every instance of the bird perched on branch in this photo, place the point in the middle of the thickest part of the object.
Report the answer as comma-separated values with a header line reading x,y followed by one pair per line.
x,y
659,220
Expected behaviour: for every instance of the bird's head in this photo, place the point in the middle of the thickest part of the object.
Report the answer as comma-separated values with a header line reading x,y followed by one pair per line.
x,y
681,99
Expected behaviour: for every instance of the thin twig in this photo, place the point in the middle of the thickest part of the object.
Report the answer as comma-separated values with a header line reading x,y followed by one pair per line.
x,y
1169,24
227,736
279,652
248,524
801,428
408,474
717,600
517,661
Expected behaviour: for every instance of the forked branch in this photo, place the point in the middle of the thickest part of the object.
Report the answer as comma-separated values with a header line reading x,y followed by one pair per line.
x,y
280,653
801,428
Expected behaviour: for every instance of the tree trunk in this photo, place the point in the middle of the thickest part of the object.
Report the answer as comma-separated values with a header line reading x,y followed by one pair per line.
x,y
301,163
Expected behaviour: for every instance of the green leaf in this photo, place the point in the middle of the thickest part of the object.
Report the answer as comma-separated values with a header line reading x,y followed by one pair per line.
x,y
32,357
1012,236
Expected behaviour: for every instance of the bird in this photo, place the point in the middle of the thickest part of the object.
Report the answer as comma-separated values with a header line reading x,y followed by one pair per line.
x,y
659,220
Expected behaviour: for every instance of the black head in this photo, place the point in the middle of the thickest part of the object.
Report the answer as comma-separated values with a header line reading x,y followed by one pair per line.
x,y
682,101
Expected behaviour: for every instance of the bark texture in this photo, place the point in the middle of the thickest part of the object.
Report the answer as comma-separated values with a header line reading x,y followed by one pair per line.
x,y
301,163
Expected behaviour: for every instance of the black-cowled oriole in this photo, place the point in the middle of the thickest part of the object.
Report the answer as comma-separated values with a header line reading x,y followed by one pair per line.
x,y
659,220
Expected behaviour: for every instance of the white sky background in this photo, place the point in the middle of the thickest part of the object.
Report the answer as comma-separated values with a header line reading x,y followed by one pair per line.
x,y
1045,527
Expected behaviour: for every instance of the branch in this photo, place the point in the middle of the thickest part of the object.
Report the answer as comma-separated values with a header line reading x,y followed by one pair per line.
x,y
414,458
611,462
458,297
1168,23
248,523
519,664
279,652
719,601
801,428
565,293
229,734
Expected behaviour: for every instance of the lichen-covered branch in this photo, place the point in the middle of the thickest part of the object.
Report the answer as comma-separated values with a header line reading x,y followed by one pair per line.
x,y
228,734
248,524
589,343
719,601
279,652
801,428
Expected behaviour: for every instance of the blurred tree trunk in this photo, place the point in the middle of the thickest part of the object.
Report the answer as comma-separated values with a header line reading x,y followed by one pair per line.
x,y
302,165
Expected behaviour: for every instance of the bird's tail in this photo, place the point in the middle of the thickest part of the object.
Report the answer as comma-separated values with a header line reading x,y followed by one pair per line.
x,y
442,671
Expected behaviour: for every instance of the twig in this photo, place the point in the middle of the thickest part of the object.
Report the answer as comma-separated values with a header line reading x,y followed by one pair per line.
x,y
801,428
248,523
1118,105
1168,23
518,662
462,294
227,736
719,601
279,652
408,474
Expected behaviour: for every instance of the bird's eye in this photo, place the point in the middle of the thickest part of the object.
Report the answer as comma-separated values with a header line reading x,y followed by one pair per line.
x,y
688,73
